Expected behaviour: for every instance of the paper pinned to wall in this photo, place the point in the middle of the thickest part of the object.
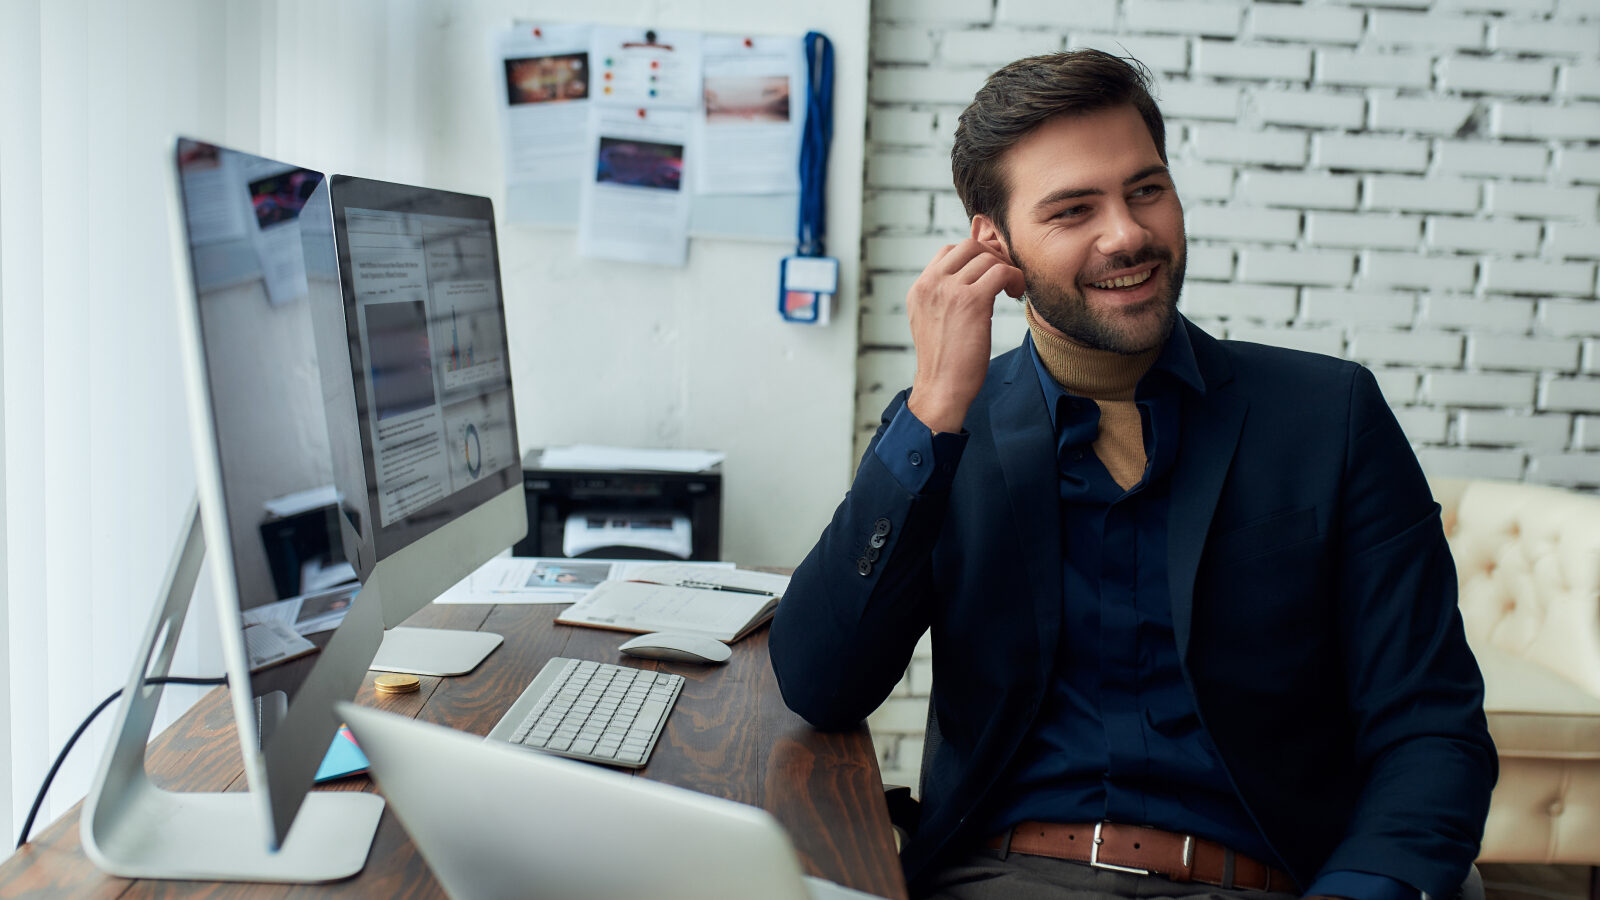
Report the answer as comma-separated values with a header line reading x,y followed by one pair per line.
x,y
635,205
753,117
277,196
217,208
545,75
210,196
747,191
645,67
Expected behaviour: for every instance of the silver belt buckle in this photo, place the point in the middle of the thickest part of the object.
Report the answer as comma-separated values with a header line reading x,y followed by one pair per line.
x,y
1094,856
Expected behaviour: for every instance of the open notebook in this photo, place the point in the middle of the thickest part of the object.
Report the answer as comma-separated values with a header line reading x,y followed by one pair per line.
x,y
725,604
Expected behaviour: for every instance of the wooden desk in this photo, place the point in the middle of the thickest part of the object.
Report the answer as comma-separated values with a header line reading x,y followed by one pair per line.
x,y
729,735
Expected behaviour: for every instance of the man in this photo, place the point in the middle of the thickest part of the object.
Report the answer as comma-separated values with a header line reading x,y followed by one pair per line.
x,y
1192,609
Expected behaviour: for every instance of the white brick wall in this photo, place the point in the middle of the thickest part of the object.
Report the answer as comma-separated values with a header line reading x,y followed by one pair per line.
x,y
1414,184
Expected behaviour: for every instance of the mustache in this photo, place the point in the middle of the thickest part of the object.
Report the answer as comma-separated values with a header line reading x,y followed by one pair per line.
x,y
1149,253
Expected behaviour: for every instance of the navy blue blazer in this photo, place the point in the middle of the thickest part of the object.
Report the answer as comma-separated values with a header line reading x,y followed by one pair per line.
x,y
1313,600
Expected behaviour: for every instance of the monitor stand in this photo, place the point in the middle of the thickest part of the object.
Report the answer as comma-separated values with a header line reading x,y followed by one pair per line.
x,y
433,651
134,829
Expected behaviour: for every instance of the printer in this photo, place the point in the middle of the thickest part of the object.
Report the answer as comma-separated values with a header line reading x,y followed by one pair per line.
x,y
621,514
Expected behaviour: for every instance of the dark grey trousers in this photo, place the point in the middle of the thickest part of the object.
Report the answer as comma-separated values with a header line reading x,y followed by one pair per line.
x,y
983,875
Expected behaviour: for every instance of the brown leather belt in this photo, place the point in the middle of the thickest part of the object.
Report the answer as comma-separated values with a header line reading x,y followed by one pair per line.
x,y
1144,851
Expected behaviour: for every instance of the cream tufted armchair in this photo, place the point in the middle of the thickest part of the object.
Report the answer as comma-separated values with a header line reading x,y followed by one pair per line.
x,y
1528,559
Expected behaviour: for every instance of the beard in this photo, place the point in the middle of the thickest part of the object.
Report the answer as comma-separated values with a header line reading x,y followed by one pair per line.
x,y
1125,330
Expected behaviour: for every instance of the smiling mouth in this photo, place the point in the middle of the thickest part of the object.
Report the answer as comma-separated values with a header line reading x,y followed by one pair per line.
x,y
1125,281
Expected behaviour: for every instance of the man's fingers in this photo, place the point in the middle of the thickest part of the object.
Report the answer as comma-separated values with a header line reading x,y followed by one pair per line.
x,y
978,266
959,256
1016,282
1001,277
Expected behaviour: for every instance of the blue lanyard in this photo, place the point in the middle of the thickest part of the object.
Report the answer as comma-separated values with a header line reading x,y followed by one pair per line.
x,y
814,145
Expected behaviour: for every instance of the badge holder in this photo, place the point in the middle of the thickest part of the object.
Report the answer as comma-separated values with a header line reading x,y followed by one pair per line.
x,y
808,280
806,285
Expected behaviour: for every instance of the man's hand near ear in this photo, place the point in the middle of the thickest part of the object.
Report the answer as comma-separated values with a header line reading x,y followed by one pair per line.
x,y
951,307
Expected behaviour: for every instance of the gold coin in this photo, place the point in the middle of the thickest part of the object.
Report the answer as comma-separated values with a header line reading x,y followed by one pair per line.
x,y
396,684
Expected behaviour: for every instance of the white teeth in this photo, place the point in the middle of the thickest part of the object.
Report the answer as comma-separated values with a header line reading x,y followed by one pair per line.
x,y
1125,281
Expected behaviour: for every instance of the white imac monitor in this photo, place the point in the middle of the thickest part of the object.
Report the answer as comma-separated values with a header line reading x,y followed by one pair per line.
x,y
259,433
405,286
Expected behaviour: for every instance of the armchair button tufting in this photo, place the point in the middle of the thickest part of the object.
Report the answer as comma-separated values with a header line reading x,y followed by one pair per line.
x,y
1556,808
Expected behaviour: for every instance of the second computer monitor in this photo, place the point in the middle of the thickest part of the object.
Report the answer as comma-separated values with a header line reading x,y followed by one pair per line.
x,y
421,415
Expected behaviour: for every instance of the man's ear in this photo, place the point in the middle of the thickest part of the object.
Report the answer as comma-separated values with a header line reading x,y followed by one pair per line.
x,y
987,233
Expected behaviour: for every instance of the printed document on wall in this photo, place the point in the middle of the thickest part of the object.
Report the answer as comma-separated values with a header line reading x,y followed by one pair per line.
x,y
647,68
216,206
754,116
635,205
544,74
277,194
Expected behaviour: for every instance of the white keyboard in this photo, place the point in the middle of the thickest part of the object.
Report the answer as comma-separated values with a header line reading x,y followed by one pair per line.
x,y
592,711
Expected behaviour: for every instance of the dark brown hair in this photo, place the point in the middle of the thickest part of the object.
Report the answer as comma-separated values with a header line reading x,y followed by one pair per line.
x,y
1027,93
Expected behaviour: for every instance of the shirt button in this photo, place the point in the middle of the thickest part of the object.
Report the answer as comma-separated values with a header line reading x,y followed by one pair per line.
x,y
916,458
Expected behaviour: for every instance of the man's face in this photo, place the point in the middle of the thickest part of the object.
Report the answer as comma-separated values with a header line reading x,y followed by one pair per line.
x,y
1096,228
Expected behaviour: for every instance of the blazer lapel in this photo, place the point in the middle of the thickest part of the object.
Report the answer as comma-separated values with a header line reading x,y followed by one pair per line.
x,y
1210,427
1026,448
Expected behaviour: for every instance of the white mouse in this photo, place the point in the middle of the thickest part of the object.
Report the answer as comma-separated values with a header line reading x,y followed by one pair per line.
x,y
678,647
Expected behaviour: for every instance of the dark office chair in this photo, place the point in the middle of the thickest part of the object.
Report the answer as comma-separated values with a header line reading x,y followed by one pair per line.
x,y
905,812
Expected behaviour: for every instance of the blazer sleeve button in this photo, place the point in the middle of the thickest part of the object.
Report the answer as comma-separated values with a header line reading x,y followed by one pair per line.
x,y
864,567
880,527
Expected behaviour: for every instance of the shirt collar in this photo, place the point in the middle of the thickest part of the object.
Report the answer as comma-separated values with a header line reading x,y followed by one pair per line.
x,y
1177,360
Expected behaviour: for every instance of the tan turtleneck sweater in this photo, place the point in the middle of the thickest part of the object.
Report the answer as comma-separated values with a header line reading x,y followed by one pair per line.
x,y
1109,380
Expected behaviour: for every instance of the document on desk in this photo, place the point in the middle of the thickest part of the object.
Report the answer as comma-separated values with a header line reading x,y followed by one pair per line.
x,y
716,576
536,579
723,613
315,611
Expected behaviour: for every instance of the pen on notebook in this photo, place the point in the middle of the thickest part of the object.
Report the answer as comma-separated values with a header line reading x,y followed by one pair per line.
x,y
711,586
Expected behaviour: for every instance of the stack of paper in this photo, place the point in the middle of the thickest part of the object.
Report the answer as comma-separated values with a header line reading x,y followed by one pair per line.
x,y
593,456
540,579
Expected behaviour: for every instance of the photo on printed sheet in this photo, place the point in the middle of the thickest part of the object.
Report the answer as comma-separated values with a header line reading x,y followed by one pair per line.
x,y
638,163
547,79
752,98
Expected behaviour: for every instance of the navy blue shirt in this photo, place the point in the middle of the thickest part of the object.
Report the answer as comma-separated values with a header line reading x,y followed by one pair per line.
x,y
1118,736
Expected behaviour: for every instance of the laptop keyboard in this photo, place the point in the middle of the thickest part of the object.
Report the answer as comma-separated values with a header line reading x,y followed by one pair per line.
x,y
591,711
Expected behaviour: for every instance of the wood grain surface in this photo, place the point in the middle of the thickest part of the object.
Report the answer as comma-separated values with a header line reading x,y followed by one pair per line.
x,y
729,735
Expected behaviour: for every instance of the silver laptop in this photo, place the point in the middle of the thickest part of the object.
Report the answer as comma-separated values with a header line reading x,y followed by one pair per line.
x,y
493,820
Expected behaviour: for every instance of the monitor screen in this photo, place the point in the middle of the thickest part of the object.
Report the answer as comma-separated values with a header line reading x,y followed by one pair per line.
x,y
263,385
432,381
411,332
264,468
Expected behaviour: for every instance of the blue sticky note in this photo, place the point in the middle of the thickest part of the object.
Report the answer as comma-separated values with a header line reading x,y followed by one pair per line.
x,y
344,757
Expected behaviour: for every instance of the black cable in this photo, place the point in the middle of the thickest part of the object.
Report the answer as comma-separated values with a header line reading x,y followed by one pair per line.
x,y
38,800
